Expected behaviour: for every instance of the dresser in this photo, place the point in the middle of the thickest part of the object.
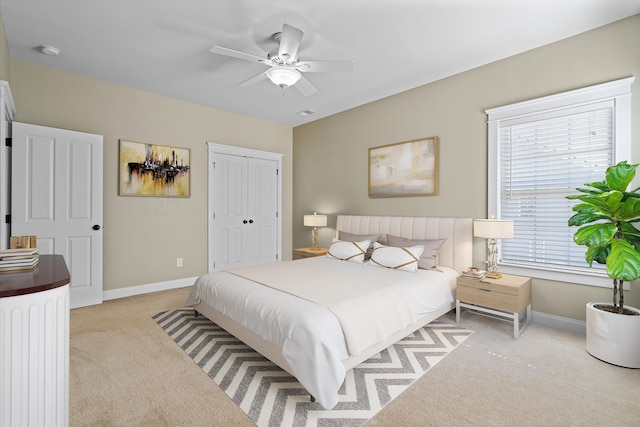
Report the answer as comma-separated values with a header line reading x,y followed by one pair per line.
x,y
34,345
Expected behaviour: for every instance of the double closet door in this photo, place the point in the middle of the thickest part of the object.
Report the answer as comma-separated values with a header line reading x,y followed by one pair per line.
x,y
244,207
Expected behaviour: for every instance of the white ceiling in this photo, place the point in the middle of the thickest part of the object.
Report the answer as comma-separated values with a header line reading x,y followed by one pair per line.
x,y
163,46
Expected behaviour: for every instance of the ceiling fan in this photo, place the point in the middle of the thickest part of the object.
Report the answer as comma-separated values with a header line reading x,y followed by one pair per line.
x,y
284,67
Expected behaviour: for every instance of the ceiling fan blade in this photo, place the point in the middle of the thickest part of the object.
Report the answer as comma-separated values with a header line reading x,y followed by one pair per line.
x,y
253,80
236,54
305,87
325,66
289,42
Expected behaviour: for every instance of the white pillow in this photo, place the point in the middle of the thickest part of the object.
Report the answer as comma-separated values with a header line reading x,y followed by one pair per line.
x,y
398,258
348,251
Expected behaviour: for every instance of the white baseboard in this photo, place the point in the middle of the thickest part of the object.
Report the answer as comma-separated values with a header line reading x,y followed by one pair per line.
x,y
543,319
573,326
145,289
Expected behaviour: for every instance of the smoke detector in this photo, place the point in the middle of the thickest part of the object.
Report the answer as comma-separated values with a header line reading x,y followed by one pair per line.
x,y
49,50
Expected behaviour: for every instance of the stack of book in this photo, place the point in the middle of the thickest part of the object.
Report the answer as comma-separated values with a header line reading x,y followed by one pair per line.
x,y
474,273
19,259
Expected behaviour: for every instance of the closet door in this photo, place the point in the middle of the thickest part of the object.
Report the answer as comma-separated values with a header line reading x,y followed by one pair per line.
x,y
262,196
244,204
230,206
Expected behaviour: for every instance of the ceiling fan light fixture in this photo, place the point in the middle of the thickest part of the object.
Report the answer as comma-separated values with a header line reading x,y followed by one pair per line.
x,y
283,76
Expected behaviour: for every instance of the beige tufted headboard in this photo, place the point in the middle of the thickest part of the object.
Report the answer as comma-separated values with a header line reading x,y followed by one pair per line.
x,y
456,252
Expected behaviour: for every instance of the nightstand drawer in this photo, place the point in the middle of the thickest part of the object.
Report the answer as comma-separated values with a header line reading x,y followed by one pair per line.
x,y
506,284
509,293
302,253
489,298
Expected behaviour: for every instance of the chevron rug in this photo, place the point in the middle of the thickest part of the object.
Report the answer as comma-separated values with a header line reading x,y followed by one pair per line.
x,y
272,398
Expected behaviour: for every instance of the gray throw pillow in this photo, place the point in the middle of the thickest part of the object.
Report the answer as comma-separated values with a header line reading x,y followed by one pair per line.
x,y
429,257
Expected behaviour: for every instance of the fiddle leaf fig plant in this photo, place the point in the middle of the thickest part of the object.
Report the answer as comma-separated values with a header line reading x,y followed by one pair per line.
x,y
606,217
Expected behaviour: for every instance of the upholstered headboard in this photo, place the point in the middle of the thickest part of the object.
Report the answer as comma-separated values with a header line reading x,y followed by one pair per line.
x,y
456,252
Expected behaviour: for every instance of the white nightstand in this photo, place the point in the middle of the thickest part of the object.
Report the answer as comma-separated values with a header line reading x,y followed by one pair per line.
x,y
505,297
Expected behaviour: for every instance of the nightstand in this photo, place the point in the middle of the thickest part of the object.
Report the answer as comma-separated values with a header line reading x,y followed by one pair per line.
x,y
301,253
505,298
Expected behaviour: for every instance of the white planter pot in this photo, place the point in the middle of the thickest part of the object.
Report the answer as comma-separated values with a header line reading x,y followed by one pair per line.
x,y
613,338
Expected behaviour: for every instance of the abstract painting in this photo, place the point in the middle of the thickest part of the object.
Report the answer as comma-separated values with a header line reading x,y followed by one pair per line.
x,y
154,170
408,168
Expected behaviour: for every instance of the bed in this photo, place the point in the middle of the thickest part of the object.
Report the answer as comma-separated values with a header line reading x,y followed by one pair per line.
x,y
315,342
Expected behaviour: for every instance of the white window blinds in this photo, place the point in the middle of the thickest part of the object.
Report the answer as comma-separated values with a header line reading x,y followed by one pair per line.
x,y
540,150
542,159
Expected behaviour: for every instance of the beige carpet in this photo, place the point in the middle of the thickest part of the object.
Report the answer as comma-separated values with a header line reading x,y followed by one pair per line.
x,y
125,371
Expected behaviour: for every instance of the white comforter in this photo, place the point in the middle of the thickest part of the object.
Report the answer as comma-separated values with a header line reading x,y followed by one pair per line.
x,y
310,335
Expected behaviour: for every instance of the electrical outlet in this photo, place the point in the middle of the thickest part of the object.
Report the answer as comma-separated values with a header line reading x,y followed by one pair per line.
x,y
178,262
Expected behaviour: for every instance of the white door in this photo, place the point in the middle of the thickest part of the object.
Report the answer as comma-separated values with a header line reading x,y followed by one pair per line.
x,y
7,109
229,198
262,211
244,205
57,196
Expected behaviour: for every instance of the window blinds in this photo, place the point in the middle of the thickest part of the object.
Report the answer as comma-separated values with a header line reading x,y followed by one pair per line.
x,y
543,158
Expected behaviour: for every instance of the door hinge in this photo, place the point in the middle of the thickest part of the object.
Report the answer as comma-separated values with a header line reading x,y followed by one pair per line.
x,y
277,171
8,142
7,219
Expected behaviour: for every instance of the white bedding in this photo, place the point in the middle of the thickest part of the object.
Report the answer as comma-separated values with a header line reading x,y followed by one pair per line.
x,y
310,335
369,310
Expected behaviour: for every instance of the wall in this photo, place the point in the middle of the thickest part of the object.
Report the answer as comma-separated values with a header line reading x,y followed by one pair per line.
x,y
4,54
331,154
143,236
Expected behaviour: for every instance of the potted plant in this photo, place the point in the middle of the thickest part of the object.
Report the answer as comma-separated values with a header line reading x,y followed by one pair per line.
x,y
606,217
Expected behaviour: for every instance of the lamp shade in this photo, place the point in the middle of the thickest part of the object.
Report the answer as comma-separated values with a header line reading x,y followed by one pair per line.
x,y
283,76
315,220
493,228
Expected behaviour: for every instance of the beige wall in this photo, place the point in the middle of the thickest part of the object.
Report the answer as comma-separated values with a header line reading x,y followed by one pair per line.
x,y
330,155
143,236
4,54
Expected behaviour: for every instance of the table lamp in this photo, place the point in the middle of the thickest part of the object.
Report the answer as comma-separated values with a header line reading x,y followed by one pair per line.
x,y
315,221
492,229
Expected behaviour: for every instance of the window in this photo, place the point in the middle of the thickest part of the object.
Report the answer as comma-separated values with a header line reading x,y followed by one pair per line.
x,y
539,152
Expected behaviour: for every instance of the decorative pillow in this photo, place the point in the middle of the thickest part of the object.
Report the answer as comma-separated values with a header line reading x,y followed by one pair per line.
x,y
394,257
429,258
349,237
348,251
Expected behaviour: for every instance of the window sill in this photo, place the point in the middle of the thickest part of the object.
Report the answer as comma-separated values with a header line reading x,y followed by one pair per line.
x,y
599,280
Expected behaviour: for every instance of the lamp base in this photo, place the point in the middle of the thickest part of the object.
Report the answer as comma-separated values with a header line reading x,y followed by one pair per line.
x,y
492,275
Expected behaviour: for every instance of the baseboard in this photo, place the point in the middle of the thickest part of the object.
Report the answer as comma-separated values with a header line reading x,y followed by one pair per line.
x,y
145,289
573,326
543,319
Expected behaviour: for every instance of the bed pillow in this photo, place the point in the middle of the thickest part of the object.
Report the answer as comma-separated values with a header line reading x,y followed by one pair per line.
x,y
429,257
349,237
399,258
348,251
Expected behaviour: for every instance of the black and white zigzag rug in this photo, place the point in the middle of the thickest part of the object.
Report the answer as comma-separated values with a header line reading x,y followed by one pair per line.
x,y
271,397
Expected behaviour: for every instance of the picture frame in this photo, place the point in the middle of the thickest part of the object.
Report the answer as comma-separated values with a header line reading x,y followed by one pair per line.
x,y
154,170
401,169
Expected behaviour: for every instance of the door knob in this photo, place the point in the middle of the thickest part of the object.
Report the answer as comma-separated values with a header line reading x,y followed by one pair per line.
x,y
250,221
96,227
244,222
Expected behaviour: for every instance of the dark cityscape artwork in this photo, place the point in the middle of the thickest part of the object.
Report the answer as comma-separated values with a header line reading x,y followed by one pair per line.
x,y
154,170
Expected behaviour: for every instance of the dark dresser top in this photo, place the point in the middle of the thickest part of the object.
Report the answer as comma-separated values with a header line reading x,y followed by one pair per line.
x,y
51,272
